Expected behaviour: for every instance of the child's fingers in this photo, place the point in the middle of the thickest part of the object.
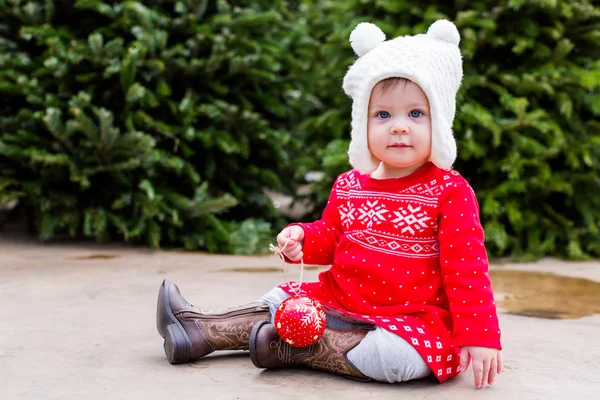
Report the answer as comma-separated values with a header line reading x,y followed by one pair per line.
x,y
499,369
478,373
296,233
283,238
464,359
295,255
486,372
293,252
493,371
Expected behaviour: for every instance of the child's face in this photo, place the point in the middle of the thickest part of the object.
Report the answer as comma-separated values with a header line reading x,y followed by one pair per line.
x,y
399,128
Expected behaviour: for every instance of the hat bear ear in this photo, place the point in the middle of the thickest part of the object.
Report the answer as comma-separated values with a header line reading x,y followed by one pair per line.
x,y
444,30
365,37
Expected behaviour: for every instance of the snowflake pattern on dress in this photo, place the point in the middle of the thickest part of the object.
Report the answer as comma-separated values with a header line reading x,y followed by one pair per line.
x,y
410,219
346,215
370,212
390,221
408,256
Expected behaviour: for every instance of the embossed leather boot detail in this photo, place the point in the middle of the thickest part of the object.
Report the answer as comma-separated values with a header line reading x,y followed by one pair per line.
x,y
267,350
191,334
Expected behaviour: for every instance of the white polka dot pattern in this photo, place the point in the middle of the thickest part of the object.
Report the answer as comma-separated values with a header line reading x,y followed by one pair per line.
x,y
437,293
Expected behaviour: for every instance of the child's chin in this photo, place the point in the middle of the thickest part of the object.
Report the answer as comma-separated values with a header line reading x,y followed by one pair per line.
x,y
404,164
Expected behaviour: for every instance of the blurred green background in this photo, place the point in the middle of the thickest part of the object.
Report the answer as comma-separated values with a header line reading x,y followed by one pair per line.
x,y
168,123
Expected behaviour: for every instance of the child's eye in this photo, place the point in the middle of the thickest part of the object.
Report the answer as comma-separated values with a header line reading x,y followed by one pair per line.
x,y
383,114
415,113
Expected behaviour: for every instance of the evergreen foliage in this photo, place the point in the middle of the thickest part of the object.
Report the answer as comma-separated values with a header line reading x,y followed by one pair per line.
x,y
157,121
163,121
527,125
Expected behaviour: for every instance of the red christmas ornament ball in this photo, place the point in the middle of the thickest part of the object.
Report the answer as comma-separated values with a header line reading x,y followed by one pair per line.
x,y
300,321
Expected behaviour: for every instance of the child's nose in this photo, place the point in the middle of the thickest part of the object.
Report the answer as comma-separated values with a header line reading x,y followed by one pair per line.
x,y
400,127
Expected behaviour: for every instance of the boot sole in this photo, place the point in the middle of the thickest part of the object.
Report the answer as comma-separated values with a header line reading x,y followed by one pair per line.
x,y
177,345
252,344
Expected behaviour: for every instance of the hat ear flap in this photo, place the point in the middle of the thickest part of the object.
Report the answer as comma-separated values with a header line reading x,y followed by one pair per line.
x,y
365,37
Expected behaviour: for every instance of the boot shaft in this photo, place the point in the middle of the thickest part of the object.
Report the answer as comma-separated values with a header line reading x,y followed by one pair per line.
x,y
267,350
329,353
225,330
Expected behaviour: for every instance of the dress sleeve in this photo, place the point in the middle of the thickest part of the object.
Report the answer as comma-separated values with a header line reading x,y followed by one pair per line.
x,y
321,237
465,269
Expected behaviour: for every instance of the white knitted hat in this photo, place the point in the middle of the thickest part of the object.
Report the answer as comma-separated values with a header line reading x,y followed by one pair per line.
x,y
432,61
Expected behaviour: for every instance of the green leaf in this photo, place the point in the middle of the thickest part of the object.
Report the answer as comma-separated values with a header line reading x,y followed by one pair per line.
x,y
95,42
128,70
146,186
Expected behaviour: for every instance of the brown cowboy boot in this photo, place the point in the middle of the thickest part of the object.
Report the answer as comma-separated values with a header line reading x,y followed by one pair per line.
x,y
267,350
190,334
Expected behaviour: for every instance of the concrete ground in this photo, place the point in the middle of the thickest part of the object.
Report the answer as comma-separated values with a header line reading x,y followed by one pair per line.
x,y
78,322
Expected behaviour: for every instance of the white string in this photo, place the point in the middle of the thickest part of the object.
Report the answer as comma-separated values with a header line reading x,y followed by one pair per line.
x,y
279,252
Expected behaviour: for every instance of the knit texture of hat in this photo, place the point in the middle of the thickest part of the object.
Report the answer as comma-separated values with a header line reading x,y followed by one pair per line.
x,y
432,61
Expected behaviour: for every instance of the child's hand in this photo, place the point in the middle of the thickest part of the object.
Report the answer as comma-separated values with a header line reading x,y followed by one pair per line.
x,y
487,362
294,236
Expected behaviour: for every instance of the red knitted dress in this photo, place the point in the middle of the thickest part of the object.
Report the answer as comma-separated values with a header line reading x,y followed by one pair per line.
x,y
407,255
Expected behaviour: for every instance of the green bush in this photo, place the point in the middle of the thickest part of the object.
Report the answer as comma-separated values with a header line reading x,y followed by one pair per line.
x,y
164,121
527,127
158,122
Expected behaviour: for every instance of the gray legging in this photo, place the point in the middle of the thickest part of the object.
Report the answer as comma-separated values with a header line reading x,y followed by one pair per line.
x,y
381,355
